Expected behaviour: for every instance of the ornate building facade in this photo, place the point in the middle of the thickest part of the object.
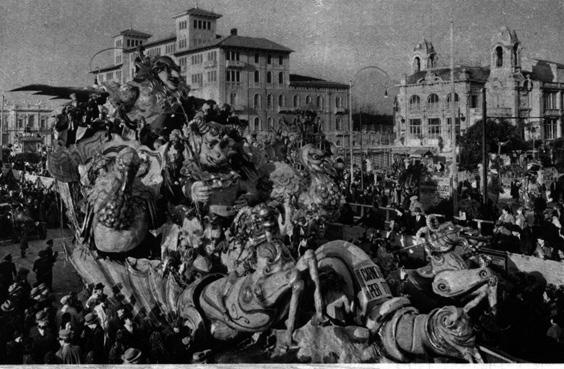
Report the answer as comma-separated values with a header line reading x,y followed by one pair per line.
x,y
25,125
527,92
252,74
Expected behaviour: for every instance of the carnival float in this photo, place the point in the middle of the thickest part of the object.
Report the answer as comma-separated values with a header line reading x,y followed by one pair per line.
x,y
191,224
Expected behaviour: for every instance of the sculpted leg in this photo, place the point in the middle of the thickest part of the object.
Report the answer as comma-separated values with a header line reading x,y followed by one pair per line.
x,y
297,289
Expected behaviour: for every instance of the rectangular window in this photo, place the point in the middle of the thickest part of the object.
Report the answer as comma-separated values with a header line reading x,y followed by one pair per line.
x,y
550,99
118,59
449,125
549,129
256,58
109,75
118,75
169,49
269,59
474,101
280,60
195,24
415,128
434,128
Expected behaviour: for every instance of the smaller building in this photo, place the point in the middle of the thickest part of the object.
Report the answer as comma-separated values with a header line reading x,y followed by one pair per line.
x,y
25,123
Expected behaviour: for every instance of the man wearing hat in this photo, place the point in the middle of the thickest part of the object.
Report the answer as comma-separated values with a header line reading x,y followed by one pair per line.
x,y
414,203
43,268
66,307
97,291
132,356
68,353
43,340
92,339
7,274
51,255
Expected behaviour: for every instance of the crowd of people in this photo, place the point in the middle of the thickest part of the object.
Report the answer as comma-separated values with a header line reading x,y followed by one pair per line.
x,y
79,327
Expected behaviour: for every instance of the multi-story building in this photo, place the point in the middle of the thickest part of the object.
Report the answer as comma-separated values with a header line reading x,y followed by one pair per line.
x,y
25,123
527,92
252,74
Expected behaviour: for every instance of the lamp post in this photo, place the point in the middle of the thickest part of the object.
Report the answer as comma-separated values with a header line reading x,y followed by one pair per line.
x,y
351,116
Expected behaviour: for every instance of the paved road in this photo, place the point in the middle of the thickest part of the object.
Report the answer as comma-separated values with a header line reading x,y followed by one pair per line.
x,y
65,278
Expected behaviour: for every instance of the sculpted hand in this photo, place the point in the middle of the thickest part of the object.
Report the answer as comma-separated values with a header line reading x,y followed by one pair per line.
x,y
200,192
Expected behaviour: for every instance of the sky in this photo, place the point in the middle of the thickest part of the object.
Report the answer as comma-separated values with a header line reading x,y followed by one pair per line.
x,y
52,41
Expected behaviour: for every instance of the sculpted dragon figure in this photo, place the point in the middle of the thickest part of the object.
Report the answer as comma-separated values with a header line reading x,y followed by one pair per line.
x,y
225,267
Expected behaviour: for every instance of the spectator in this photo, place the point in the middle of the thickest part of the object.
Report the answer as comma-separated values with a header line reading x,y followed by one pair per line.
x,y
97,291
23,243
92,340
7,274
43,340
68,353
43,268
132,356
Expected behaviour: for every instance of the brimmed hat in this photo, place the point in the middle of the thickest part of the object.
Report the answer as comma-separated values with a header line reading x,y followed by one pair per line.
x,y
49,242
41,316
131,356
8,306
65,299
99,286
90,318
64,334
8,257
14,289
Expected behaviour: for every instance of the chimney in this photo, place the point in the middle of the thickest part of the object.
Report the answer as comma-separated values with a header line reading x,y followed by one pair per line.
x,y
233,31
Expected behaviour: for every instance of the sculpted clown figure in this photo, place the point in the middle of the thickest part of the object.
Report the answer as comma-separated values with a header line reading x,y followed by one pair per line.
x,y
218,178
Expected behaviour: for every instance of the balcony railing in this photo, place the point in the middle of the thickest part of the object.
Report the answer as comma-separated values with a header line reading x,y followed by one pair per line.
x,y
210,64
555,112
234,64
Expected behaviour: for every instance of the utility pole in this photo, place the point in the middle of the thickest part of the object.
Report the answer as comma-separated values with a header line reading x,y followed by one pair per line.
x,y
351,133
2,130
484,149
454,165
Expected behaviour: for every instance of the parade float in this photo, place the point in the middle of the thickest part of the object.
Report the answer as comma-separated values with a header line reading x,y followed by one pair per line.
x,y
184,220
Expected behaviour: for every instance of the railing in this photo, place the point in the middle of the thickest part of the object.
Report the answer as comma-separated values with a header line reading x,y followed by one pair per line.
x,y
234,64
210,64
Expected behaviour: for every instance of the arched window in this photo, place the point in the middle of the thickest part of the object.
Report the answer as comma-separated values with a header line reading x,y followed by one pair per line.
x,y
338,124
256,124
449,106
338,142
499,56
257,101
257,76
308,99
30,121
414,103
269,101
338,102
281,102
320,102
417,64
268,77
296,101
433,102
232,98
281,78
270,123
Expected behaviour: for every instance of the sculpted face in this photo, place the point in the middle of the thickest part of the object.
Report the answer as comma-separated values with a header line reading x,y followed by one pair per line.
x,y
170,78
215,149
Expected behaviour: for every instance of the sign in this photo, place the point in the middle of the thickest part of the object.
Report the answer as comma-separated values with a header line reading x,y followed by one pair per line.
x,y
372,282
443,188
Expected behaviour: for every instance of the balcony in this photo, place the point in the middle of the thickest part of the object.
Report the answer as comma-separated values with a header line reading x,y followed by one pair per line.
x,y
341,111
210,64
499,112
552,112
234,64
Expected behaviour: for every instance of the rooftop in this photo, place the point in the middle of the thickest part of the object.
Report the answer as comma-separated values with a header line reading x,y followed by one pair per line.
x,y
199,13
297,80
158,41
478,74
133,33
241,42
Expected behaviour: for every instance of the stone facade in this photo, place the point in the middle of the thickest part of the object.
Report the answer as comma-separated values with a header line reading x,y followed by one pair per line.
x,y
526,92
26,122
251,74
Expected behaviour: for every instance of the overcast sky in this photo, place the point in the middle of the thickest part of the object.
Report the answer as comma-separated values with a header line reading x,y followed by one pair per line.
x,y
51,41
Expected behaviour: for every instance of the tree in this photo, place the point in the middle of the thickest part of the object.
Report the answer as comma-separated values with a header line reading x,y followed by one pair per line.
x,y
502,136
